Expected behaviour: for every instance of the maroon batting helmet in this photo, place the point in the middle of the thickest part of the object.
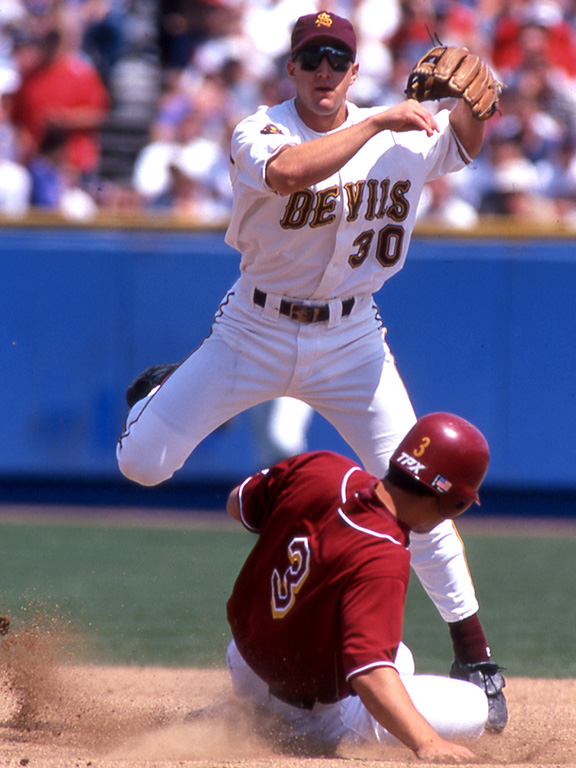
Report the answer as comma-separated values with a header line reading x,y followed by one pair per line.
x,y
449,456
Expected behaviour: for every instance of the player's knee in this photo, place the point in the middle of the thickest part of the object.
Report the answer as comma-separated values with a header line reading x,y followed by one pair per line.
x,y
141,469
143,475
473,713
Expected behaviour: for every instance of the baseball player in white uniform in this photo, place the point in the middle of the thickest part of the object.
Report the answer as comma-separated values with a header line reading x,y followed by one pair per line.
x,y
325,200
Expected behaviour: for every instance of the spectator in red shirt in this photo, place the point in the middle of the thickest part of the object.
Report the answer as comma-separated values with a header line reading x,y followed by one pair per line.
x,y
60,90
316,612
535,31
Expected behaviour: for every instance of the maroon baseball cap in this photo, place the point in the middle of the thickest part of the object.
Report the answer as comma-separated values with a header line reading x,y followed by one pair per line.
x,y
323,27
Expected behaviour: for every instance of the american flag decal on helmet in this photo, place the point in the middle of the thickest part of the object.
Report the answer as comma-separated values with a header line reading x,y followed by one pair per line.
x,y
441,484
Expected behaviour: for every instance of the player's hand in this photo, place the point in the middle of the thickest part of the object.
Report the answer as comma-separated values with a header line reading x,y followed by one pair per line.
x,y
440,749
409,115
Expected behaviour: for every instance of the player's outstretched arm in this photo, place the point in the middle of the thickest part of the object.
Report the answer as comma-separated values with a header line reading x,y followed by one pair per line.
x,y
301,165
468,129
385,697
409,115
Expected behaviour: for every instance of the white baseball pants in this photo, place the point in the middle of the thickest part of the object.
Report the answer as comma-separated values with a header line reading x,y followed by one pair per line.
x,y
342,368
457,710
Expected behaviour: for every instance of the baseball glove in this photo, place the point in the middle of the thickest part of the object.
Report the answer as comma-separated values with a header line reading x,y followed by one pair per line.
x,y
446,72
489,677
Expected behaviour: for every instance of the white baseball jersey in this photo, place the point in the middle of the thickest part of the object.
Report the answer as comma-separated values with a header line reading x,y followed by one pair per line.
x,y
364,214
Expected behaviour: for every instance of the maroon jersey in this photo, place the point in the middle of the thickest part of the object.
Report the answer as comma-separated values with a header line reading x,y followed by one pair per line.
x,y
321,596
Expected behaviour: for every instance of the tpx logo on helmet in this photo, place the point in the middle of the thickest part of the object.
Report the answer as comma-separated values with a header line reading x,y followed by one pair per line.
x,y
410,463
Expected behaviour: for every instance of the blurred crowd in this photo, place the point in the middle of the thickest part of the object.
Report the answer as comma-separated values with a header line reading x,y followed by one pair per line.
x,y
211,62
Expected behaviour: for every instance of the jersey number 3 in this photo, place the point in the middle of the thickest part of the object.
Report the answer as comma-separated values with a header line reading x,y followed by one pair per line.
x,y
285,587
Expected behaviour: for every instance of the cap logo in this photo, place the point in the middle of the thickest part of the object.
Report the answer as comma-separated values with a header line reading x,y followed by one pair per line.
x,y
270,128
323,20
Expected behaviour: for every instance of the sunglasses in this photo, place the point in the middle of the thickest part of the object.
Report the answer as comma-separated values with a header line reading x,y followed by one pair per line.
x,y
310,58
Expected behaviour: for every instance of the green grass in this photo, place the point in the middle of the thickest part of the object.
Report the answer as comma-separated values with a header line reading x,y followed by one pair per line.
x,y
137,595
151,595
525,587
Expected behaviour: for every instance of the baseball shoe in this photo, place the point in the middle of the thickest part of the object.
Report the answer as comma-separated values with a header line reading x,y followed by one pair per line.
x,y
488,676
147,380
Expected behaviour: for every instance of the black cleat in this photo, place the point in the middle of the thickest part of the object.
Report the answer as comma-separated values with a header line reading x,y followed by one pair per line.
x,y
147,380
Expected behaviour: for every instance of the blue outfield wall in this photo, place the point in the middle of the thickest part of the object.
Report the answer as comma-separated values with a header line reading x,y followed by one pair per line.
x,y
485,327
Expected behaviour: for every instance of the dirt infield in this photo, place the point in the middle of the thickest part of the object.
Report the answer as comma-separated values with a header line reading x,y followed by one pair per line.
x,y
80,716
118,717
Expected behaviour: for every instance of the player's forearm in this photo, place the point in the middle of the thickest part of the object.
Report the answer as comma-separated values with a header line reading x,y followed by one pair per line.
x,y
470,132
387,700
385,697
302,165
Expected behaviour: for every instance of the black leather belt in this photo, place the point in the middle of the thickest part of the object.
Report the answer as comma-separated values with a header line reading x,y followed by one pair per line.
x,y
300,703
304,313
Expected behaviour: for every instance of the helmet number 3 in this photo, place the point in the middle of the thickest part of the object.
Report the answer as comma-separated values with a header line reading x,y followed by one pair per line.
x,y
422,447
286,586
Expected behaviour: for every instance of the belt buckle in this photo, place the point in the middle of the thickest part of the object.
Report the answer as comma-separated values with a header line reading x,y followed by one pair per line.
x,y
303,313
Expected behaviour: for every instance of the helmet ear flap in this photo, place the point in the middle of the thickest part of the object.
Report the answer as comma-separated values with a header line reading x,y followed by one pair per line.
x,y
447,454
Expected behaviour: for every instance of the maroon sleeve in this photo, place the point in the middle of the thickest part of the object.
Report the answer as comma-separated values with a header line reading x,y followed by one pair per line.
x,y
254,500
257,494
308,480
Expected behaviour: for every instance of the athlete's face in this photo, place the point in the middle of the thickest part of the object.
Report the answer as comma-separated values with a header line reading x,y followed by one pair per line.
x,y
321,92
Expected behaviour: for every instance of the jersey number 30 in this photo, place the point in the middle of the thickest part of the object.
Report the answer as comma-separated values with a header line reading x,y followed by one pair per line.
x,y
388,246
285,587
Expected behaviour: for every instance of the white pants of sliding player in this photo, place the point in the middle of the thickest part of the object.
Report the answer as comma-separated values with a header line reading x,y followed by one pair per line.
x,y
456,710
